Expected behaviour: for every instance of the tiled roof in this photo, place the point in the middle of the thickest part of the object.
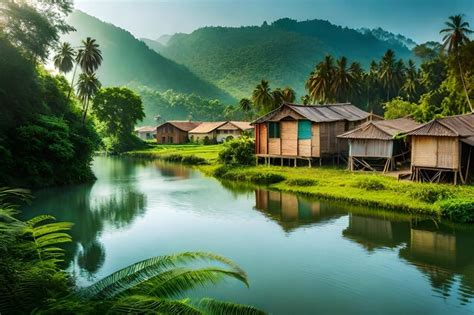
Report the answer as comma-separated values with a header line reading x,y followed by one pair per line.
x,y
184,125
206,127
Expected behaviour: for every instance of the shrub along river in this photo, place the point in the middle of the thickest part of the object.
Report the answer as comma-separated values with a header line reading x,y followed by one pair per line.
x,y
302,256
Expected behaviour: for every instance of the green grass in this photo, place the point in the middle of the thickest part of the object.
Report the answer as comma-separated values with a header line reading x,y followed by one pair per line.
x,y
207,152
358,188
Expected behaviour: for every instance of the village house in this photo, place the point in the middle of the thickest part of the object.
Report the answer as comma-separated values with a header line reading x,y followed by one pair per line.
x,y
306,132
219,131
146,132
375,145
442,149
174,131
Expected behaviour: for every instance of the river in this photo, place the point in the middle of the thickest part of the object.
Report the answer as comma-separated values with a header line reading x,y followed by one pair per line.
x,y
302,256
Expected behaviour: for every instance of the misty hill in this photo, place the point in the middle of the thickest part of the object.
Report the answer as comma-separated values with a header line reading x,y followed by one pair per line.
x,y
129,61
284,52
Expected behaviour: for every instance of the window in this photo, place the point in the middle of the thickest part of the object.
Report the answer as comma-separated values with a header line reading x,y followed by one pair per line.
x,y
274,130
304,129
170,139
163,140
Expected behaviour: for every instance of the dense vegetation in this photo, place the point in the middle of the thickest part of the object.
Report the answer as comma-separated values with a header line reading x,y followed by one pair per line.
x,y
44,140
128,61
283,52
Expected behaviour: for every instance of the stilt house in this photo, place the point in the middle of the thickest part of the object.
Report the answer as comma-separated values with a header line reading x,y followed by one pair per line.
x,y
293,132
442,149
373,145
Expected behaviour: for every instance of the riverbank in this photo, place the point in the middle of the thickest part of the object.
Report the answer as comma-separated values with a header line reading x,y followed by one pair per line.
x,y
362,188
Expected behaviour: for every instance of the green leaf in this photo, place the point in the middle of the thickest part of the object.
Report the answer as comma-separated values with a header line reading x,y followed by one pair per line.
x,y
139,304
210,306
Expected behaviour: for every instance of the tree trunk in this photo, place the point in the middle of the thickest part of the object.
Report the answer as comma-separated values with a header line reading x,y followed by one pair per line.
x,y
72,83
463,83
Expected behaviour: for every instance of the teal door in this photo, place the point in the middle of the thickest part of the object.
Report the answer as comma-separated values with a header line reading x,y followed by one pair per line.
x,y
304,129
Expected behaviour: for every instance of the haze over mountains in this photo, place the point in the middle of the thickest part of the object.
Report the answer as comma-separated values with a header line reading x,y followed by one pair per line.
x,y
226,63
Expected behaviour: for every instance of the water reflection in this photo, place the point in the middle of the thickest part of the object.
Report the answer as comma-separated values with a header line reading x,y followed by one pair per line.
x,y
92,208
291,211
442,252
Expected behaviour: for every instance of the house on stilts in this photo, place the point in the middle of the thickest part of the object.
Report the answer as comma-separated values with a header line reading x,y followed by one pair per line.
x,y
442,150
300,132
374,145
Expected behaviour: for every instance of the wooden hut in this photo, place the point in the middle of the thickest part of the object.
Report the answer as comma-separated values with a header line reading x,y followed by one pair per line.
x,y
174,131
219,131
374,144
442,149
293,132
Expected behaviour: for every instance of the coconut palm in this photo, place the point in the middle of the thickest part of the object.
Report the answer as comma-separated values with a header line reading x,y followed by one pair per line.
x,y
262,96
245,105
410,86
372,82
87,86
357,76
320,81
277,98
157,285
456,35
288,95
342,81
88,58
386,72
305,99
64,58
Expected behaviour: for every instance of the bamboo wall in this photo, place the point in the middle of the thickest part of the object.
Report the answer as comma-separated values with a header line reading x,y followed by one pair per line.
x,y
436,152
371,148
289,137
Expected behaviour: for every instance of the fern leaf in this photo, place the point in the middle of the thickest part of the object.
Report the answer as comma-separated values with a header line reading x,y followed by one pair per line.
x,y
138,304
148,269
211,306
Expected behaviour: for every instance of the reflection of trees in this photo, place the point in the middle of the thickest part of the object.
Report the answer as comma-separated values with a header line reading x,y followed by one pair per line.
x,y
91,208
442,253
173,169
291,211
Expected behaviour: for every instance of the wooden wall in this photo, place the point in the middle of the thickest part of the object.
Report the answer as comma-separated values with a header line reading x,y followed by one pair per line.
x,y
274,146
170,134
263,138
289,137
371,148
437,152
315,141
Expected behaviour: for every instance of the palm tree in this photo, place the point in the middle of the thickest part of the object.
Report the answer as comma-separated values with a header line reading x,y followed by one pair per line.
x,y
89,58
277,98
245,105
156,285
306,99
386,73
87,86
288,95
262,96
456,35
64,58
320,81
372,81
357,76
410,86
342,81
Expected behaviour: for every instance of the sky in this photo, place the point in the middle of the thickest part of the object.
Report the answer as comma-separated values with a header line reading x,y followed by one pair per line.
x,y
419,20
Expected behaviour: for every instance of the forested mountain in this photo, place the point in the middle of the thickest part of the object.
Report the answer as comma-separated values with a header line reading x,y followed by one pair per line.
x,y
284,52
128,60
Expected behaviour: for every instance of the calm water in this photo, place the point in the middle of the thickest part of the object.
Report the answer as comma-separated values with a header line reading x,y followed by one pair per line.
x,y
301,256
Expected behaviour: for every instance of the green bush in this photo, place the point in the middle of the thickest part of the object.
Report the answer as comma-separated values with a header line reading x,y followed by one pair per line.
x,y
220,172
266,178
430,193
193,160
238,152
302,182
370,183
458,210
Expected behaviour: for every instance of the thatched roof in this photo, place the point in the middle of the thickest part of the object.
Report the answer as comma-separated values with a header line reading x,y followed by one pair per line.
x,y
183,125
461,126
381,129
320,113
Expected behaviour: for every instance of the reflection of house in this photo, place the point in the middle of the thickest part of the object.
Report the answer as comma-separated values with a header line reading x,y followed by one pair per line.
x,y
146,132
374,232
443,147
219,131
375,141
174,131
291,211
305,132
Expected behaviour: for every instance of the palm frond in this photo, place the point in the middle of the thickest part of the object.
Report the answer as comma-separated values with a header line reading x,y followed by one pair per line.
x,y
148,269
140,304
211,306
177,281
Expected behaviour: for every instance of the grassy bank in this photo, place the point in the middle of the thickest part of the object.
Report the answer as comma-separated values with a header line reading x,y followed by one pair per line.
x,y
362,188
